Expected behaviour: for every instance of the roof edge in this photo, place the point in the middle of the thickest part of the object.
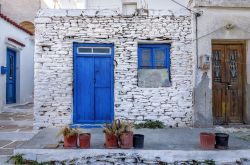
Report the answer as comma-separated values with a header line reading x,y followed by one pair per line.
x,y
9,20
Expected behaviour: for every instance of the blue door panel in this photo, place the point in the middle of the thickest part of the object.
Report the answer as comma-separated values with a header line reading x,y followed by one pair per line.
x,y
102,72
102,88
93,87
103,104
85,88
11,76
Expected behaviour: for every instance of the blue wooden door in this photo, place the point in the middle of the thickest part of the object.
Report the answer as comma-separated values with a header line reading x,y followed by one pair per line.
x,y
93,83
11,77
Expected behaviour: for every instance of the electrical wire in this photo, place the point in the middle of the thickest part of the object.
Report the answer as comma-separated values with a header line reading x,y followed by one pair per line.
x,y
190,10
208,34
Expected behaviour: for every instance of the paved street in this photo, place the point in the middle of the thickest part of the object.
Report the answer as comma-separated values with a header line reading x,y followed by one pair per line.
x,y
16,126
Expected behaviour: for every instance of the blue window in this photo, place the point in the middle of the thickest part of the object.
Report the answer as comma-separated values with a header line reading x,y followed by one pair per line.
x,y
154,56
154,65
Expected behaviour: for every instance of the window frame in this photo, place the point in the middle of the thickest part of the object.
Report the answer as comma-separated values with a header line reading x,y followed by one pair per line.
x,y
153,48
92,50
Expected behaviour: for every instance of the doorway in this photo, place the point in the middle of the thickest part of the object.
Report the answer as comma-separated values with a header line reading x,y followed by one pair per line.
x,y
93,83
228,74
11,76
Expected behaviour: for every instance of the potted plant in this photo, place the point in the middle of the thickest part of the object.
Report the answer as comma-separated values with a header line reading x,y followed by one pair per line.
x,y
110,130
207,140
125,135
70,137
84,140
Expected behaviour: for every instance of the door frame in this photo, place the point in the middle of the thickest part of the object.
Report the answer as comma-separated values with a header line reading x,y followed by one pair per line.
x,y
75,55
14,74
244,74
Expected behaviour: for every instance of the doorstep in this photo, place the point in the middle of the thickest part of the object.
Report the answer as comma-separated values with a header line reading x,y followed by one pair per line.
x,y
169,145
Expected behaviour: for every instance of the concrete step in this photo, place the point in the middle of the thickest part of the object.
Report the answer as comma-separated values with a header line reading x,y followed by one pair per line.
x,y
18,108
171,156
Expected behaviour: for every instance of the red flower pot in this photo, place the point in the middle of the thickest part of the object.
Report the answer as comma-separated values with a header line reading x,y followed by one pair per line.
x,y
70,142
126,140
207,140
111,141
84,140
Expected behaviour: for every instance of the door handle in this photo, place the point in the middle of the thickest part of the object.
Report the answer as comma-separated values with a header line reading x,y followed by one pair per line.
x,y
228,86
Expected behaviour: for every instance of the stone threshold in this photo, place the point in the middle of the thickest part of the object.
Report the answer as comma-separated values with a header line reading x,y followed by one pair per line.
x,y
219,156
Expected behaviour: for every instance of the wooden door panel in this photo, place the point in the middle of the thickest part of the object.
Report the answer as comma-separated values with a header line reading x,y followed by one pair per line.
x,y
219,89
219,108
228,78
234,60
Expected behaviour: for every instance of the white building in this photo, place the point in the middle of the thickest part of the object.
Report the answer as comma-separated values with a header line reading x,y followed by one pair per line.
x,y
222,62
16,62
112,76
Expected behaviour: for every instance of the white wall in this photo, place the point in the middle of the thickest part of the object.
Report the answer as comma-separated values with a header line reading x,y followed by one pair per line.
x,y
152,4
111,4
214,20
211,26
25,70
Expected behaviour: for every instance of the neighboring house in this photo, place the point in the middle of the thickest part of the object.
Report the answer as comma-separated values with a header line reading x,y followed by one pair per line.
x,y
24,11
21,11
222,90
16,62
94,65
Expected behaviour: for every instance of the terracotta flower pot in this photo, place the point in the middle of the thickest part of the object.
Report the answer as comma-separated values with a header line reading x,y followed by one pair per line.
x,y
126,140
84,140
111,141
207,140
70,142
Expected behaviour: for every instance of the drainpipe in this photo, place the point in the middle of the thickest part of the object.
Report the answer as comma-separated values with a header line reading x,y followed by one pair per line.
x,y
196,15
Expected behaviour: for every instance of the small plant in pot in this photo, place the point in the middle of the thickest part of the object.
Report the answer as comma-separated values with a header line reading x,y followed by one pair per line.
x,y
84,140
111,139
125,135
70,137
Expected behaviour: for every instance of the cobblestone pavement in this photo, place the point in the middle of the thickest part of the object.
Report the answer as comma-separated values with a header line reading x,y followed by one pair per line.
x,y
16,126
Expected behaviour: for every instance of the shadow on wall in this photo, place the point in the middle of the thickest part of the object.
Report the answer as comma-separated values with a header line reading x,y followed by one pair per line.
x,y
203,116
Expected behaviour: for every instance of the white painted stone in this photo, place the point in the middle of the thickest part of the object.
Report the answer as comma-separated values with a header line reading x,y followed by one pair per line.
x,y
54,66
74,13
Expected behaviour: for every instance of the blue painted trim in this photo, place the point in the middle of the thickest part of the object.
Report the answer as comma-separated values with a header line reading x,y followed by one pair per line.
x,y
74,82
75,55
153,48
112,83
86,126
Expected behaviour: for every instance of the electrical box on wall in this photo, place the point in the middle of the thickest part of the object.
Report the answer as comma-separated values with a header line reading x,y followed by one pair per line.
x,y
3,70
205,61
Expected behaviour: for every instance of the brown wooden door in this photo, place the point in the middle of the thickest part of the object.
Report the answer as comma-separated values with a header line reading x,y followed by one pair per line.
x,y
228,75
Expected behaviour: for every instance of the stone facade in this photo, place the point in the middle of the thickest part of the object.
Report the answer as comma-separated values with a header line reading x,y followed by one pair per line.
x,y
55,34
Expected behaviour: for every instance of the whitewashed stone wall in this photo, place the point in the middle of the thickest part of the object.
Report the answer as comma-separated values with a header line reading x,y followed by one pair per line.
x,y
55,33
